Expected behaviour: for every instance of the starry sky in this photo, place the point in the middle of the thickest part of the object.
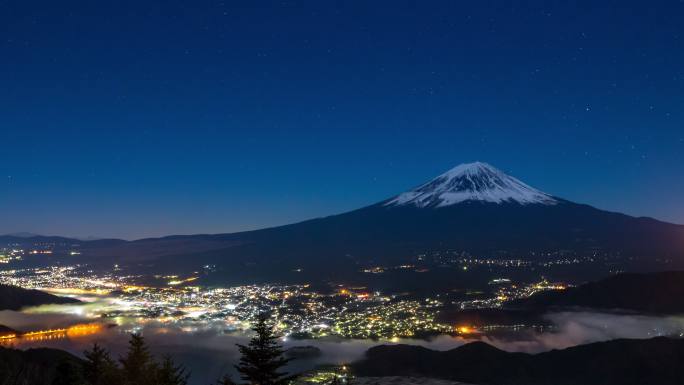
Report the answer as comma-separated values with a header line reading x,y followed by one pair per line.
x,y
144,118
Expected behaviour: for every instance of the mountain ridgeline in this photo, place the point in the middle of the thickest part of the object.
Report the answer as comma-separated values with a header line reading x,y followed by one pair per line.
x,y
16,298
652,293
474,208
617,362
34,366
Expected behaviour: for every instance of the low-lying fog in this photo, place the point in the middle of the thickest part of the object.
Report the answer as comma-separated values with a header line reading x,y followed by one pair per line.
x,y
209,352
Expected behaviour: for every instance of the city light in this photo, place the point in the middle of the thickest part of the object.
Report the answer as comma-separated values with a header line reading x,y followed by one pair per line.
x,y
349,312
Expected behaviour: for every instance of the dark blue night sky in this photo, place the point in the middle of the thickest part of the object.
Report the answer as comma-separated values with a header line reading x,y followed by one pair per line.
x,y
143,118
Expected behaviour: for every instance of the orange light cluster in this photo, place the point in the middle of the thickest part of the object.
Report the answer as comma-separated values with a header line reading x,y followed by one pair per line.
x,y
43,336
42,332
49,334
83,329
8,337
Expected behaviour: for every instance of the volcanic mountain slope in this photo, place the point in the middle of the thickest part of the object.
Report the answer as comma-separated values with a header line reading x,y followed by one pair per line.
x,y
472,207
472,182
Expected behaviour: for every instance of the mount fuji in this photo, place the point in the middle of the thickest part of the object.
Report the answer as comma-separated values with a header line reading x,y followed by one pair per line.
x,y
472,182
473,208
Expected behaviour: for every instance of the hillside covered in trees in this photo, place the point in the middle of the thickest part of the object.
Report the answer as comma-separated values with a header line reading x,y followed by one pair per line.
x,y
15,298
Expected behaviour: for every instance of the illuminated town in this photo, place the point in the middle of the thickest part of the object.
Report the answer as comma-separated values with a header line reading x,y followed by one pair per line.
x,y
342,193
299,312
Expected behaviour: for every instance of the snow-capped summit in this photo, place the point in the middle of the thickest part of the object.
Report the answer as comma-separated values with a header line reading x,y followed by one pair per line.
x,y
472,182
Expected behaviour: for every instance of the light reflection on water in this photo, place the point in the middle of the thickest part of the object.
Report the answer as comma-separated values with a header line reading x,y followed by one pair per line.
x,y
204,349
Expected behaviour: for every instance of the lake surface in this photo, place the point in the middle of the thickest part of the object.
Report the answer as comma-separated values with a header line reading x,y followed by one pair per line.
x,y
208,350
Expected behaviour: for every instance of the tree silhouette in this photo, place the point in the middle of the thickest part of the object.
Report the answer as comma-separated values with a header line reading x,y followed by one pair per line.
x,y
262,357
68,372
137,365
168,373
99,368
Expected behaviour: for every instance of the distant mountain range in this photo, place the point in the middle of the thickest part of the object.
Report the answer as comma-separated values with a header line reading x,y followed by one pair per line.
x,y
473,208
617,362
24,234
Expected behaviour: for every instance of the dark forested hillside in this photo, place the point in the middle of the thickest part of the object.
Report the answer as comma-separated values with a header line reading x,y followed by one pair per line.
x,y
618,362
661,293
15,298
33,366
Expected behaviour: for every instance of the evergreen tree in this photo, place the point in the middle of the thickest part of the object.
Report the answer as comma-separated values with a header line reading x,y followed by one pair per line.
x,y
262,357
137,366
168,373
68,372
99,368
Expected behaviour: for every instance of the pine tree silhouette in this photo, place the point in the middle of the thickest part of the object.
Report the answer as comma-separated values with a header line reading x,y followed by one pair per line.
x,y
99,368
137,366
169,373
68,372
263,357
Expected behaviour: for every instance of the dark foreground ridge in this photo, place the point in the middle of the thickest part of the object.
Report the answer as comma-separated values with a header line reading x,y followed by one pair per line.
x,y
15,298
33,366
619,362
655,293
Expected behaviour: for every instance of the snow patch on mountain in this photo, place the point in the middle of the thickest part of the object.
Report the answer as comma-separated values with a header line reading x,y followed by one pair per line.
x,y
472,182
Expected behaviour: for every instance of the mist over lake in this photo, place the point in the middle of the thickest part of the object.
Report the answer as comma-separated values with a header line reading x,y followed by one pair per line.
x,y
208,351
